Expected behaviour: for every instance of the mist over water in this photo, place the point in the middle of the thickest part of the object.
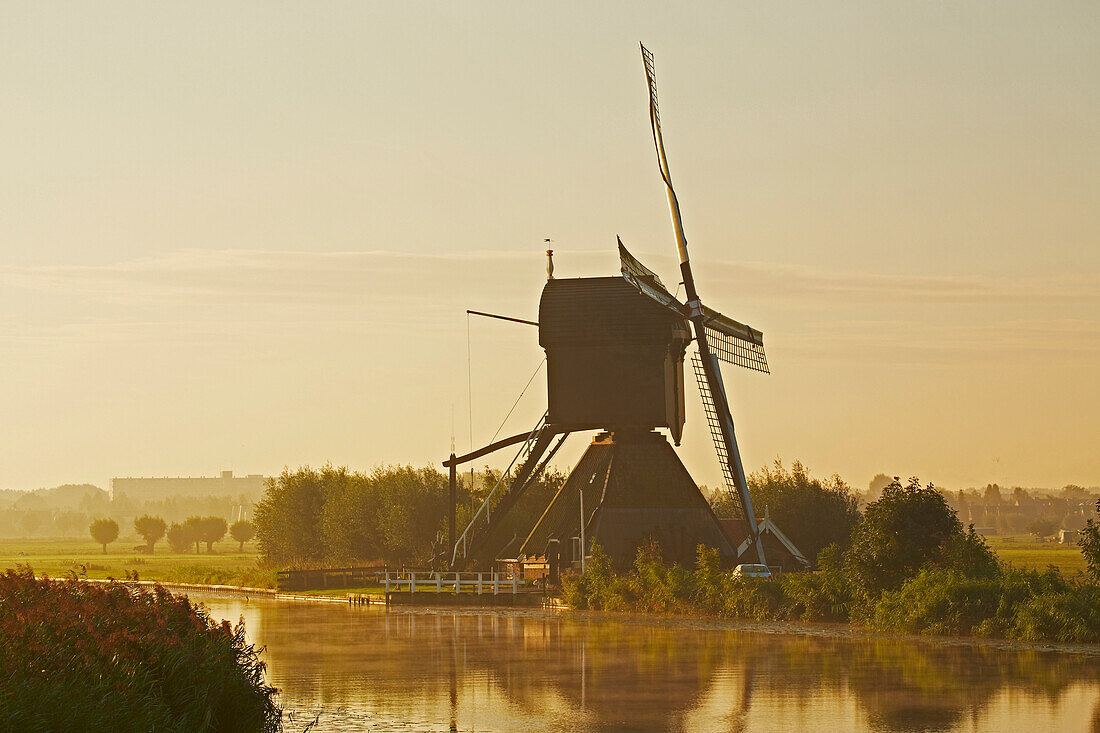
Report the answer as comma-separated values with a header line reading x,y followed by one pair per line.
x,y
423,669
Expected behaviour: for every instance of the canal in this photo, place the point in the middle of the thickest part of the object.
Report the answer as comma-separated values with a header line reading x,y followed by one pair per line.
x,y
367,668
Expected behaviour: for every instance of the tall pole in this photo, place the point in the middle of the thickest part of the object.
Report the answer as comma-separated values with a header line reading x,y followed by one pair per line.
x,y
583,553
454,502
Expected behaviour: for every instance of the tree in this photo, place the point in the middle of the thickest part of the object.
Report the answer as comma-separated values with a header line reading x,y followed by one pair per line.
x,y
812,512
242,531
392,514
151,528
1044,527
211,530
179,538
104,531
412,510
877,484
906,528
288,517
1075,494
1089,540
992,494
193,526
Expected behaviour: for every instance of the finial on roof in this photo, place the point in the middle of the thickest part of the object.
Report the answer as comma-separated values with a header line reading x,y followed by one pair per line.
x,y
549,260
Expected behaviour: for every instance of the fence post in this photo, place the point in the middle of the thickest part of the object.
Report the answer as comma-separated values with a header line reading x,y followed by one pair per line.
x,y
438,586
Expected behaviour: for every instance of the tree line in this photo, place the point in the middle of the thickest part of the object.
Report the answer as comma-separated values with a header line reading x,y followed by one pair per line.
x,y
181,536
311,516
395,515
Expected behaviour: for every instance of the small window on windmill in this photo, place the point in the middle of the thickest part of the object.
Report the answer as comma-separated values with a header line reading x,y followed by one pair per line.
x,y
576,549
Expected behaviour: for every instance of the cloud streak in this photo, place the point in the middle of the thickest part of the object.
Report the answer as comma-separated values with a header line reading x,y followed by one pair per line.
x,y
194,294
324,276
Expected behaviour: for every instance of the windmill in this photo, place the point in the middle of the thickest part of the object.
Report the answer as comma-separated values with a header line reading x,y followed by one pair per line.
x,y
615,348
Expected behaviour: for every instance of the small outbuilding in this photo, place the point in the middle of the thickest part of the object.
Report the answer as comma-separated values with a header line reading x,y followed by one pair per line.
x,y
1067,536
781,552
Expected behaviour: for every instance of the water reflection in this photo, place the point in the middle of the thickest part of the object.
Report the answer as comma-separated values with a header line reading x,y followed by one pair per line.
x,y
464,670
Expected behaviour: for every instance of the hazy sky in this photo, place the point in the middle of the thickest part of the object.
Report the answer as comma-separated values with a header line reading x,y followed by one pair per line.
x,y
243,236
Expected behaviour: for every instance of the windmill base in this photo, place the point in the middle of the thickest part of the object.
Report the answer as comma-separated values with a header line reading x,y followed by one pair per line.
x,y
635,490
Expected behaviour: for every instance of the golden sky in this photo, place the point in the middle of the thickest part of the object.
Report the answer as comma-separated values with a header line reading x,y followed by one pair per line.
x,y
243,236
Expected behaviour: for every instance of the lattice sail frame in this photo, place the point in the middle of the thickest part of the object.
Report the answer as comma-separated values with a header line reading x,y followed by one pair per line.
x,y
735,343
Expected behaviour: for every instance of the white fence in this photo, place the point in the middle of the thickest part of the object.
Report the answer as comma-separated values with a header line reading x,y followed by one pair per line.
x,y
430,582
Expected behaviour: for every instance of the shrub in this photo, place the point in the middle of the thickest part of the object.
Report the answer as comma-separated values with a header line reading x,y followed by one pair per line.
x,y
754,598
821,596
938,601
104,531
968,554
180,537
194,528
599,588
83,656
1068,616
898,534
211,530
242,531
151,528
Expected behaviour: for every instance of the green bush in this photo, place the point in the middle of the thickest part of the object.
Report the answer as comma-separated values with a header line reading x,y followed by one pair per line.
x,y
961,592
937,601
599,588
821,596
80,656
1068,616
908,527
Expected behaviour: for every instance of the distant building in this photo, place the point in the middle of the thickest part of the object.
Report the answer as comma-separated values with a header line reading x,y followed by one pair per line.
x,y
1067,536
154,488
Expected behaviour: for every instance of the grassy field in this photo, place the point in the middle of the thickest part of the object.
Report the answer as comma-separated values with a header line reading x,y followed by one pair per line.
x,y
58,558
1024,551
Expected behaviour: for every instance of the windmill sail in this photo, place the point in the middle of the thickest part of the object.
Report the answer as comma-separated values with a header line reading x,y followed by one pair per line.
x,y
647,282
733,341
662,161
